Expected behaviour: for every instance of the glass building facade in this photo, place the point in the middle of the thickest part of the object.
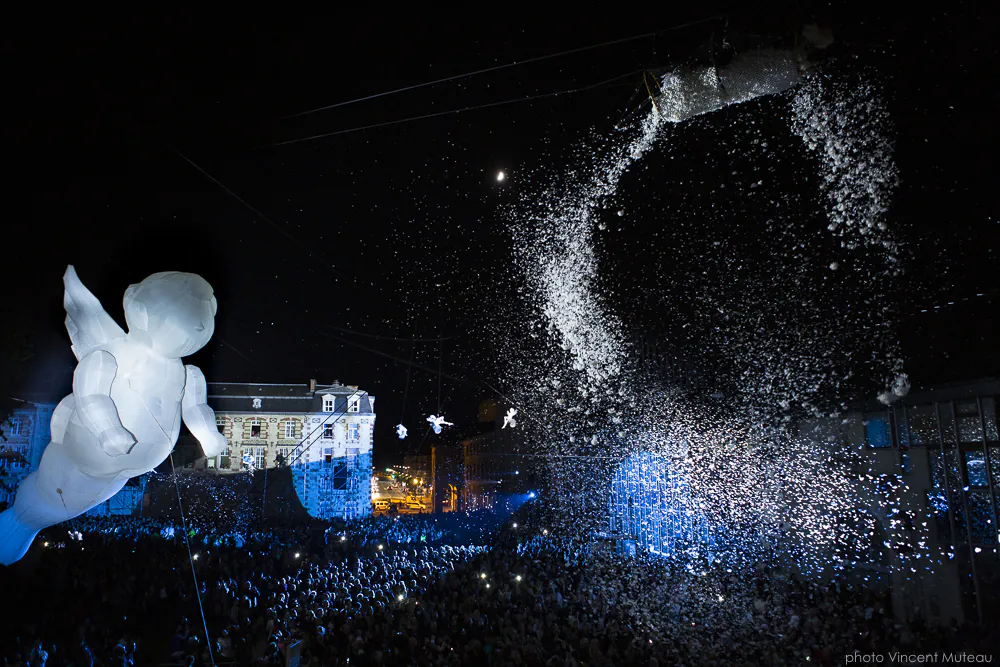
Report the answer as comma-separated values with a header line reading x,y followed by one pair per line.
x,y
960,442
944,444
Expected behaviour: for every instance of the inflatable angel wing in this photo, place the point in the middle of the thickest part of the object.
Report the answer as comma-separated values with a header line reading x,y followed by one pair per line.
x,y
130,394
88,324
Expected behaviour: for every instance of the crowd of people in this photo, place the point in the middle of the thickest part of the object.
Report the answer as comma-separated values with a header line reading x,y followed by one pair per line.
x,y
417,590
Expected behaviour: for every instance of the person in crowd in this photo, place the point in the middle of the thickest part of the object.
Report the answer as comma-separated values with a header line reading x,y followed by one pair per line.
x,y
420,590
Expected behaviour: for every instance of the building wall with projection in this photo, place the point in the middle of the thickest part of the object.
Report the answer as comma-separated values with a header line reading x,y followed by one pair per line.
x,y
325,433
25,436
651,505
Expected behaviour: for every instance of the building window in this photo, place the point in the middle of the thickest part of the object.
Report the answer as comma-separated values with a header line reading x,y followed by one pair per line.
x,y
254,428
877,431
327,431
284,456
289,429
341,477
922,426
354,403
15,426
221,425
354,432
990,418
224,458
258,455
970,429
328,404
975,469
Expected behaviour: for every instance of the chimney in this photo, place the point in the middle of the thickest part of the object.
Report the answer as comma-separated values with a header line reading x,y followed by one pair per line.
x,y
312,384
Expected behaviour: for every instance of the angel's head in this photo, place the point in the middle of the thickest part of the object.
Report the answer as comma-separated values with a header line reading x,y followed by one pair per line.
x,y
174,312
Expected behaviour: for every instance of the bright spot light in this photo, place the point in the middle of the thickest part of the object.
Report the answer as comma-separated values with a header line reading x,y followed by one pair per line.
x,y
46,544
500,177
722,599
545,531
482,575
979,550
297,554
515,524
343,537
531,495
518,577
196,556
380,547
487,585
400,597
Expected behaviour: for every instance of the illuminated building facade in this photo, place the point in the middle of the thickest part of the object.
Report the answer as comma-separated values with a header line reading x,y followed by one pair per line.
x,y
650,503
25,436
323,432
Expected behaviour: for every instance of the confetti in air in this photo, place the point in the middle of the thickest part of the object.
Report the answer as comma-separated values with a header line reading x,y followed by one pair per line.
x,y
900,388
844,121
738,456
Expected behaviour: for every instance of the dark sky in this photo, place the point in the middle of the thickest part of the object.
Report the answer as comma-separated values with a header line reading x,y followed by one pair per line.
x,y
397,231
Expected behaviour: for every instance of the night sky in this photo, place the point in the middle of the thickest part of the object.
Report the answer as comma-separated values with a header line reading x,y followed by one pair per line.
x,y
363,238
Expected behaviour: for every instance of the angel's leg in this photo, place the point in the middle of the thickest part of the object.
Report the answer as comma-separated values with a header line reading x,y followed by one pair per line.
x,y
54,493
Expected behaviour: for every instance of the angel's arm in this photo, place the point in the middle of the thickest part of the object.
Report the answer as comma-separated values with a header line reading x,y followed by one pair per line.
x,y
198,417
92,393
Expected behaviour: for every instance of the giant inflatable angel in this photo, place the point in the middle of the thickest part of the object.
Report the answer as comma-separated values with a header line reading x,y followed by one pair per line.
x,y
130,393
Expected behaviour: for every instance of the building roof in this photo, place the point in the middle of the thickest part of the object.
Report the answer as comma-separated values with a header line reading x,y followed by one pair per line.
x,y
284,398
952,391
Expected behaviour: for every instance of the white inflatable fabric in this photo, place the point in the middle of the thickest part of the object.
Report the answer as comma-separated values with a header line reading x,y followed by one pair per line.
x,y
693,91
130,392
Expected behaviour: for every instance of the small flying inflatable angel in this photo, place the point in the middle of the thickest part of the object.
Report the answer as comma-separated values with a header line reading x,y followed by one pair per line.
x,y
131,391
508,419
400,431
248,462
437,422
